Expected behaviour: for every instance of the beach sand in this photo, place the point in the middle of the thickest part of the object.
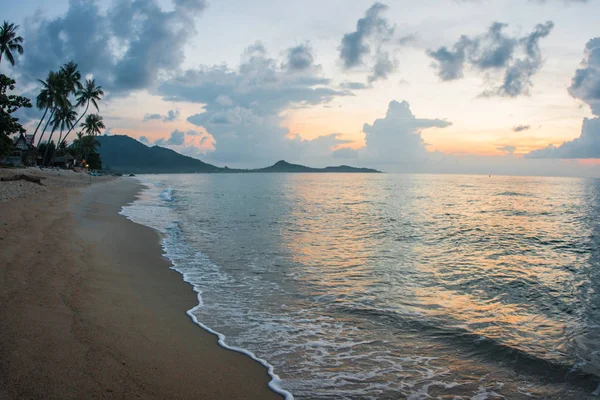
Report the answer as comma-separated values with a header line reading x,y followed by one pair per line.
x,y
89,308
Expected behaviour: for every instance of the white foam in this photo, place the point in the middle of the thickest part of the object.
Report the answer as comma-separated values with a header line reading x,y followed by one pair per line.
x,y
166,195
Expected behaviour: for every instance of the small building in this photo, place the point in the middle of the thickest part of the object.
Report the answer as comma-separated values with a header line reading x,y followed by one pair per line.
x,y
23,151
65,161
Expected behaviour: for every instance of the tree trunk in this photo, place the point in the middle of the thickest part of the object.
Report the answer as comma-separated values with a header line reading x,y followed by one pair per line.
x,y
42,135
48,147
38,126
79,119
46,126
57,147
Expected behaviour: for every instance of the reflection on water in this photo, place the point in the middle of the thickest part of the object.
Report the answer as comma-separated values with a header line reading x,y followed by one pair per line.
x,y
391,286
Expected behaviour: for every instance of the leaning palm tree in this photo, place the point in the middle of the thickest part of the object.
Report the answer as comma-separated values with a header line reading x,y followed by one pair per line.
x,y
90,93
9,42
52,97
93,125
63,119
71,77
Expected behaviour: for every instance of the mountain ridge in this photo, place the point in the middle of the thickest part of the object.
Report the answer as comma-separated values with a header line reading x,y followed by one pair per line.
x,y
124,154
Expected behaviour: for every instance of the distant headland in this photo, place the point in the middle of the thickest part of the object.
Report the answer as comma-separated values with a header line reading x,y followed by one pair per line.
x,y
124,154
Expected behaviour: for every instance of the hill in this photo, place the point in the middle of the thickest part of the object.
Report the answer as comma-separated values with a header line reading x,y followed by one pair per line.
x,y
284,166
124,154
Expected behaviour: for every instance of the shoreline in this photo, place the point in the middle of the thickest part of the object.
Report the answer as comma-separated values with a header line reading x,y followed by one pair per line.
x,y
89,308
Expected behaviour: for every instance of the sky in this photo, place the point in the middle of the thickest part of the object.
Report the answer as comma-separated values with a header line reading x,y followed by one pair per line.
x,y
458,86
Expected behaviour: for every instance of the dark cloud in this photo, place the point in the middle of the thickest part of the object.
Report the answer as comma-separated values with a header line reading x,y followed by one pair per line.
x,y
150,117
299,58
508,149
172,115
397,137
353,85
450,63
521,128
259,85
373,30
372,26
585,85
144,140
407,39
383,67
177,138
125,47
517,58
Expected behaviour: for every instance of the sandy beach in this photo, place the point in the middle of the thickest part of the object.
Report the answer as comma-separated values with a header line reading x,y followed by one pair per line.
x,y
90,309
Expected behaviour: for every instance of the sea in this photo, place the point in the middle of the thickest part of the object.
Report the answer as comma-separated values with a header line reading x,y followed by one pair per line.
x,y
392,286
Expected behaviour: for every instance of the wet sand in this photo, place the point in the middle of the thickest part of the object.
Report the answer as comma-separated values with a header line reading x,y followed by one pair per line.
x,y
90,309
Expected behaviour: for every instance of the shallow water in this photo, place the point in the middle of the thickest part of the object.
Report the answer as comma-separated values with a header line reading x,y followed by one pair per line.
x,y
392,286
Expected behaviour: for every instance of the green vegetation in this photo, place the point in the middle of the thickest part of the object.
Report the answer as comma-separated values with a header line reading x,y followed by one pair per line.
x,y
61,95
9,103
9,42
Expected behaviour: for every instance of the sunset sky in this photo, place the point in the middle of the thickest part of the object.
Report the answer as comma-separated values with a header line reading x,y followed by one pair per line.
x,y
483,86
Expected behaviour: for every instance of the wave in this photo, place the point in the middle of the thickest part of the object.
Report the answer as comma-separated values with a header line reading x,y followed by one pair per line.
x,y
167,194
173,232
485,348
514,194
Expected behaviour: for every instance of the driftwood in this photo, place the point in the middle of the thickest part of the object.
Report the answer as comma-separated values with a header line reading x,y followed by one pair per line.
x,y
24,177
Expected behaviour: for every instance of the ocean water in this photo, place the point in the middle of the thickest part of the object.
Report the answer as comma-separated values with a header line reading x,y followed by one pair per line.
x,y
391,286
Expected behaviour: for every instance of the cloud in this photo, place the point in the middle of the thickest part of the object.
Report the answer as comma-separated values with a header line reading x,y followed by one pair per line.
x,y
125,47
242,107
508,149
517,59
150,117
407,39
177,138
224,101
585,146
397,137
345,153
585,85
373,30
299,58
172,115
259,84
353,85
144,140
383,67
521,128
450,64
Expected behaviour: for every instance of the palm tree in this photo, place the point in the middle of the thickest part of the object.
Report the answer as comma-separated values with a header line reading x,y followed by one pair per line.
x,y
63,119
88,145
93,125
50,96
71,78
9,42
90,93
